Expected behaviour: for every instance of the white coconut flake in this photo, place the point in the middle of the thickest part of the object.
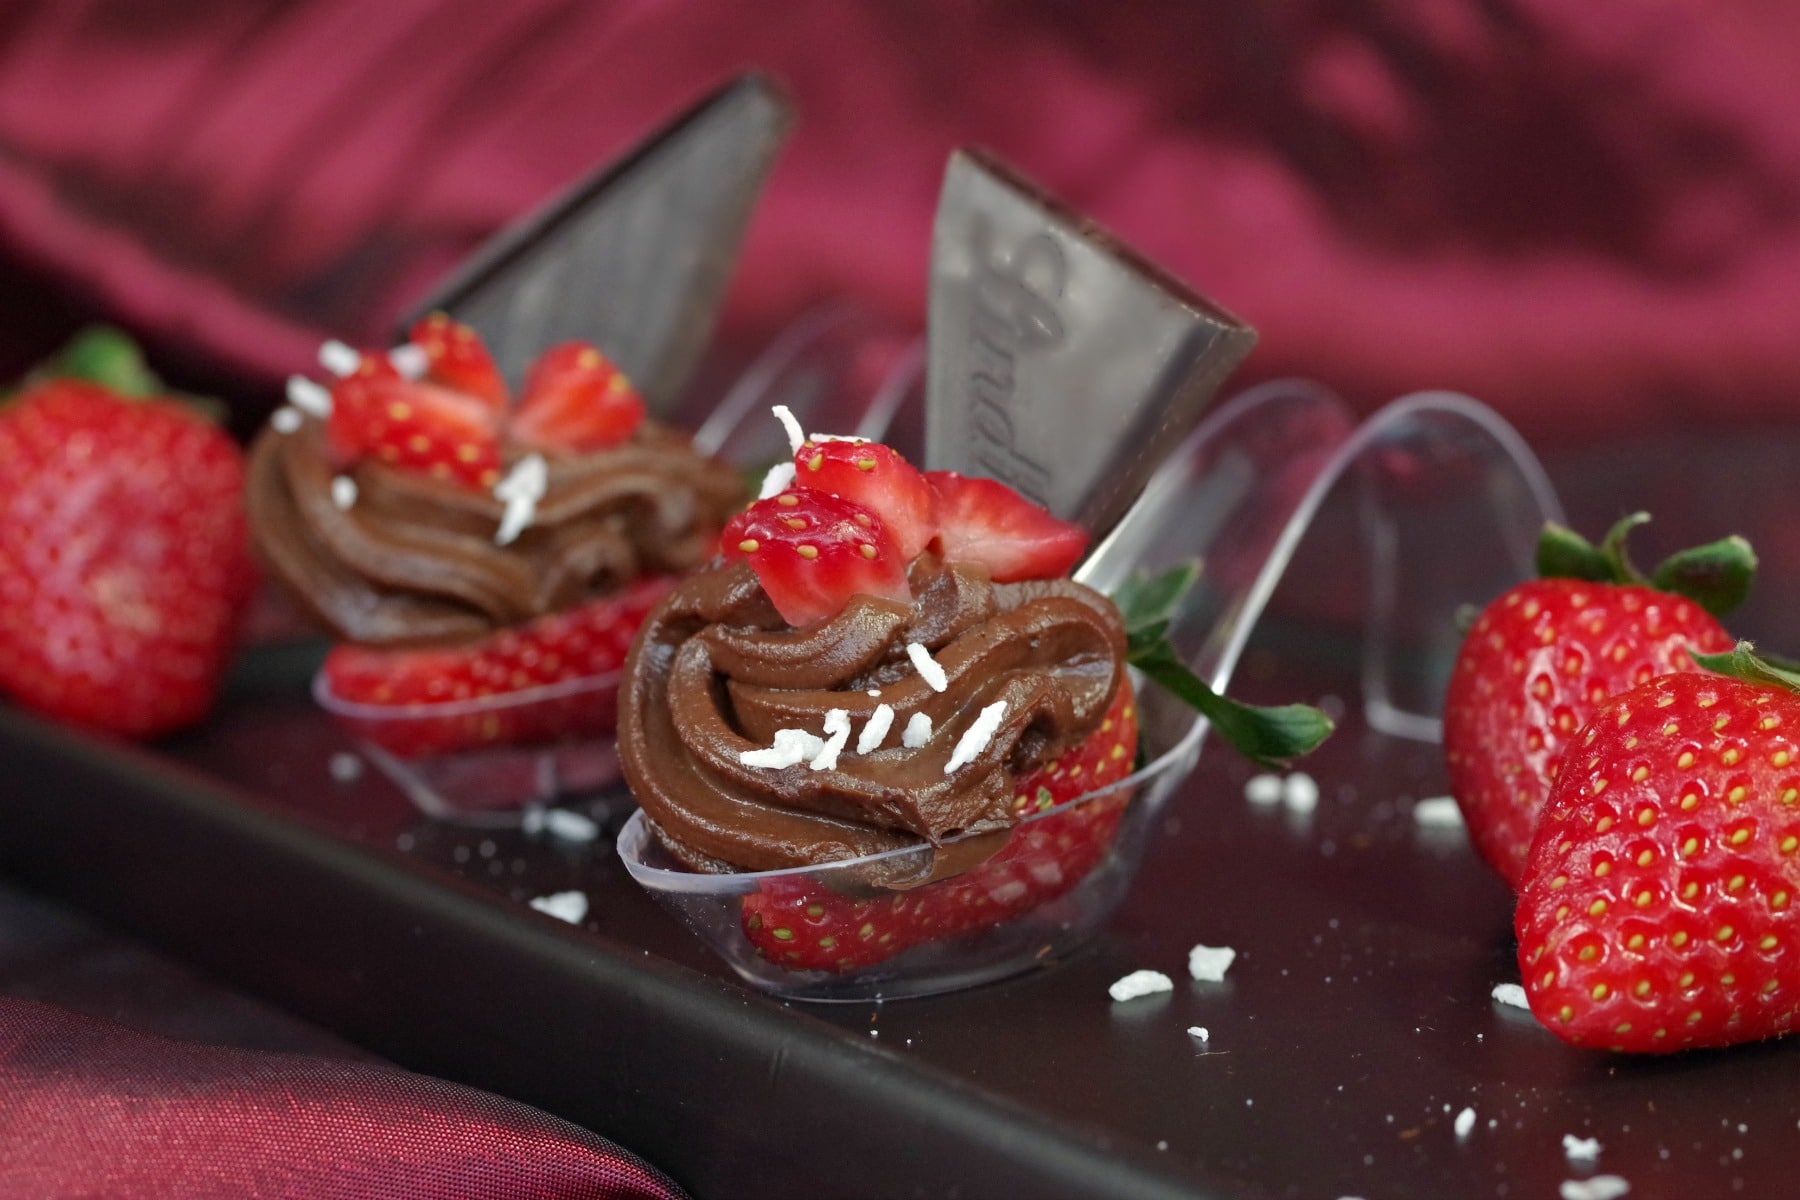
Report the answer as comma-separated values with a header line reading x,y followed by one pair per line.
x,y
1438,812
569,825
791,746
779,479
1208,964
343,492
796,436
1263,789
310,398
927,666
1140,983
976,737
1512,994
1599,1187
1300,792
837,730
917,731
410,359
1199,1033
520,490
564,906
340,359
1577,1149
875,693
876,729
1465,1123
285,419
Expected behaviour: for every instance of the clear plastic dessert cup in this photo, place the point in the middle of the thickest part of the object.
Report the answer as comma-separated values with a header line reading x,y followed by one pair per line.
x,y
488,761
1239,496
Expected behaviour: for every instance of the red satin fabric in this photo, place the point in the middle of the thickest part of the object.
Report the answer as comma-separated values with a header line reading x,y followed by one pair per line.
x,y
1587,213
91,1109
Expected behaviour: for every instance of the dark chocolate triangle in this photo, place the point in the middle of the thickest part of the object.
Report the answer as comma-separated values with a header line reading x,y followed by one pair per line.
x,y
1061,362
635,257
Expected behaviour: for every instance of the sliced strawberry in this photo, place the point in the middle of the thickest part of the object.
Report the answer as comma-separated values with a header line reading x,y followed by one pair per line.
x,y
455,358
872,475
812,551
980,520
415,426
575,399
803,925
586,642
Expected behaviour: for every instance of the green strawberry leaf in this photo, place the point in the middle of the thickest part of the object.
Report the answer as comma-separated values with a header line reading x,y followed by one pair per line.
x,y
1716,576
1564,554
106,356
1268,736
1742,662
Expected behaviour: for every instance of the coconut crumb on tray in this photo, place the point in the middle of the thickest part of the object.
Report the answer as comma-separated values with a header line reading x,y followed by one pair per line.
x,y
1140,983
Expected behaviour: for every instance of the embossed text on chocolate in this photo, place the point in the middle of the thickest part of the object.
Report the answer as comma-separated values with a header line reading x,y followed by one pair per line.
x,y
1013,313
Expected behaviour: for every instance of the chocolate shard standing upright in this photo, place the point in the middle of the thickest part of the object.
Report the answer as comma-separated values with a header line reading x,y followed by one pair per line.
x,y
635,257
1061,362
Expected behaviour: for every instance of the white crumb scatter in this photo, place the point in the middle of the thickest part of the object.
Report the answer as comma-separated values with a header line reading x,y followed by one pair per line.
x,y
1465,1122
976,737
1511,994
779,479
1599,1187
1263,789
791,747
520,490
1140,983
927,667
795,435
345,767
917,731
837,733
309,397
343,492
570,826
1438,812
1300,792
338,358
1578,1149
285,419
410,359
875,730
564,906
1199,1033
1208,964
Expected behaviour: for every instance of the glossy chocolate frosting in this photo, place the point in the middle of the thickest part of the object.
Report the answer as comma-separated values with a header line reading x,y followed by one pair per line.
x,y
414,560
716,672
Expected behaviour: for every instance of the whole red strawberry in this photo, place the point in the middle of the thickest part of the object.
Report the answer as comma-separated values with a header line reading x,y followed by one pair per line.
x,y
1539,660
124,558
1658,907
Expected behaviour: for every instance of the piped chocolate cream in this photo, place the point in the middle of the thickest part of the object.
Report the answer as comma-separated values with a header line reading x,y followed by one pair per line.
x,y
716,675
395,557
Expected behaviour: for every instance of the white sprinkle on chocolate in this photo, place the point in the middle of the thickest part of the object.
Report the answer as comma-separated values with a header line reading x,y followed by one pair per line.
x,y
1580,1149
779,479
1140,983
310,398
285,419
520,491
791,746
341,360
927,666
1512,994
343,492
875,730
917,731
796,436
410,359
976,737
837,730
1465,1122
1599,1187
564,906
1438,812
1208,964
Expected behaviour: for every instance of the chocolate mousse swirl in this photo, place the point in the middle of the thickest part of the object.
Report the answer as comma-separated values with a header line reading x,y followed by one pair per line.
x,y
413,559
716,673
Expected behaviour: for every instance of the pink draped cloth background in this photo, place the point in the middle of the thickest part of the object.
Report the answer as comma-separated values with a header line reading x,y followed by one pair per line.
x,y
1584,213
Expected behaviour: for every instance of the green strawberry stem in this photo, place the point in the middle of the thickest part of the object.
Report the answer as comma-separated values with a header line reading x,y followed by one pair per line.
x,y
1270,736
1742,662
106,356
1716,576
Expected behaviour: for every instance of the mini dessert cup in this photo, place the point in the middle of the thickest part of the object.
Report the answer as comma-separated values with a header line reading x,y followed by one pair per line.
x,y
1239,496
